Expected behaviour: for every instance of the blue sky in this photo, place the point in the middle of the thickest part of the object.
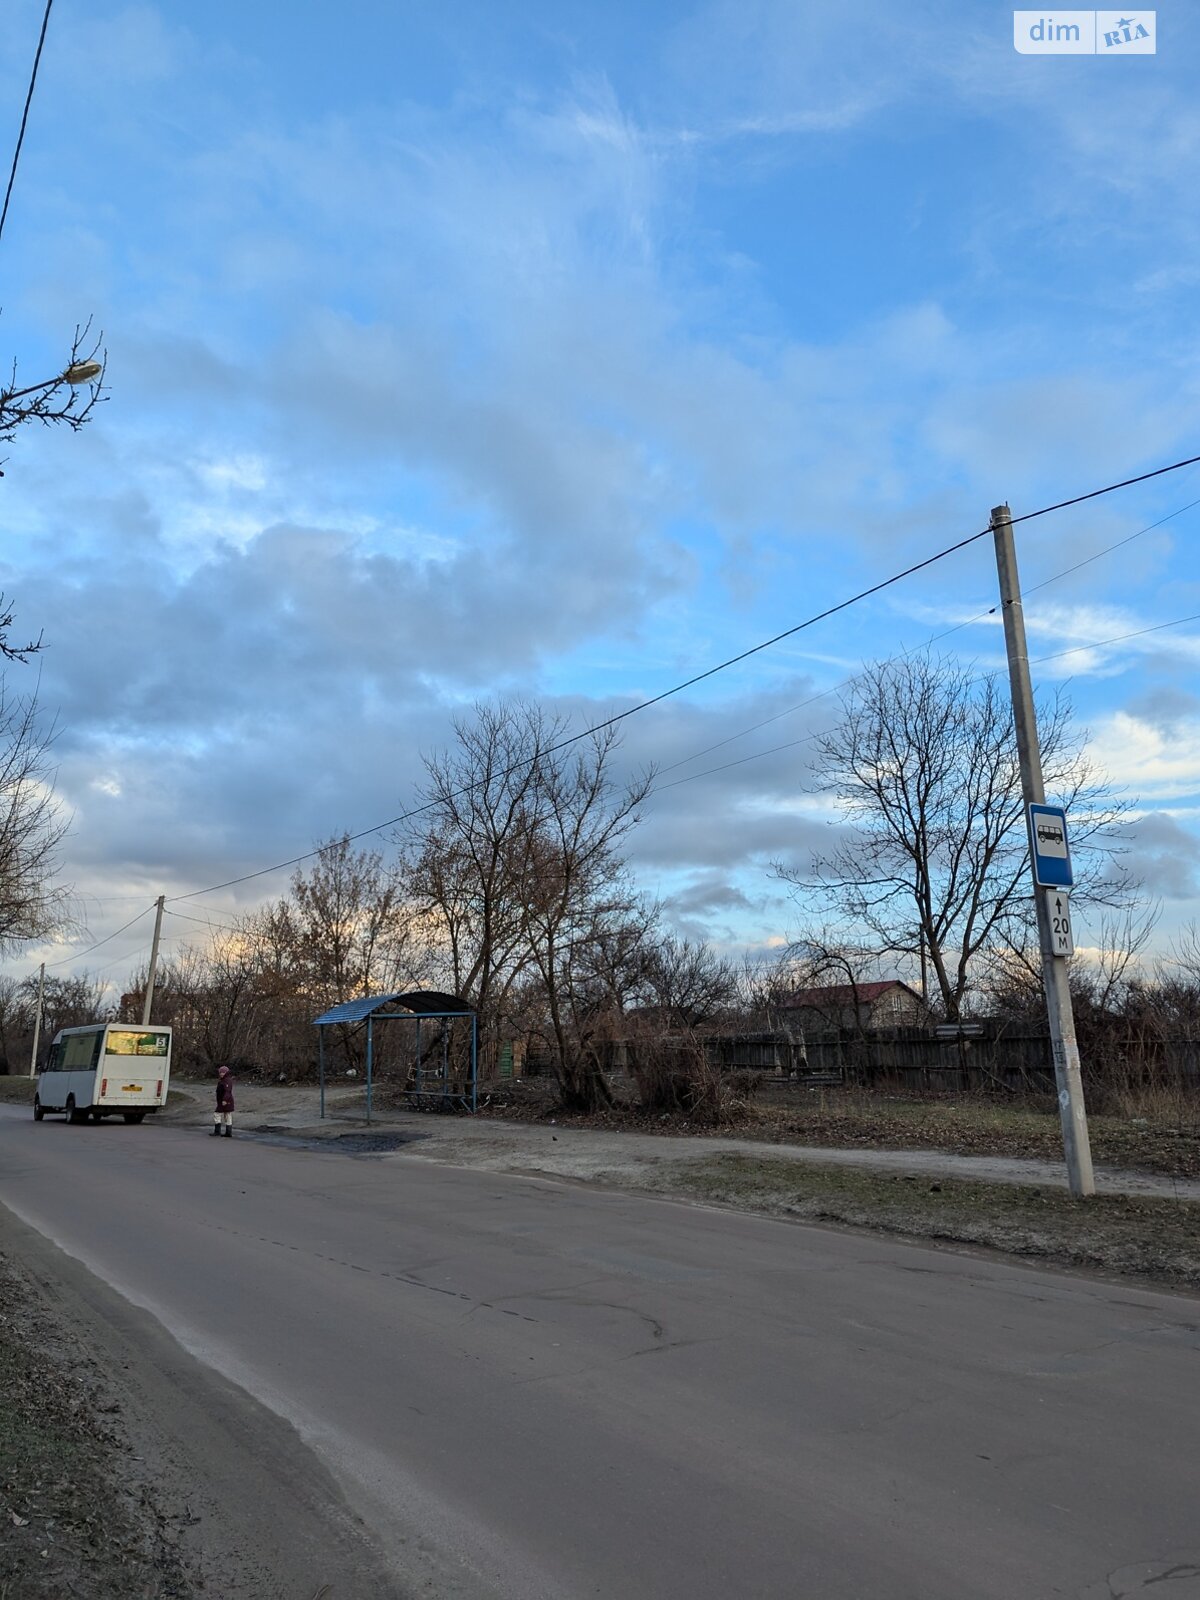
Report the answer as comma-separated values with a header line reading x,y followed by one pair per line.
x,y
566,350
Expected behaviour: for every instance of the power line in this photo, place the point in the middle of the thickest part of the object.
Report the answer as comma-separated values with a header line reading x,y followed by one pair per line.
x,y
203,922
1117,639
759,755
75,956
701,677
25,116
915,649
1108,549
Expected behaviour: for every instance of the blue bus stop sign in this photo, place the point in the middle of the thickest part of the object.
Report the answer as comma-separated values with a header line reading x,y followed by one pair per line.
x,y
1048,844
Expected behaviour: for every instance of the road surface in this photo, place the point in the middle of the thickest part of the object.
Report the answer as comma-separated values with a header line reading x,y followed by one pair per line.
x,y
535,1389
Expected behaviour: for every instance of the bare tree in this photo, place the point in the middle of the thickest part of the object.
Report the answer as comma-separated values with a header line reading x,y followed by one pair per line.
x,y
687,980
67,399
516,870
923,765
467,856
32,827
352,923
578,890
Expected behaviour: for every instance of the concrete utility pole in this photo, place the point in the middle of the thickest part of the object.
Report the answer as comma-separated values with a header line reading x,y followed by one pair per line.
x,y
1054,967
149,1000
37,1020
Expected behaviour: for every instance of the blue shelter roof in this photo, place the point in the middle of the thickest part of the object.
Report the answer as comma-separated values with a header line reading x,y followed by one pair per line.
x,y
421,1002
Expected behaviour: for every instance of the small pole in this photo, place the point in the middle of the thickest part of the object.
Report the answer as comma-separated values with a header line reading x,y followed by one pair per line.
x,y
149,1000
37,1021
1065,1049
369,1038
321,1061
474,1062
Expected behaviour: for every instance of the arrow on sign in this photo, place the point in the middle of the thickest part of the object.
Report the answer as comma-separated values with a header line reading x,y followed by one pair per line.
x,y
1058,908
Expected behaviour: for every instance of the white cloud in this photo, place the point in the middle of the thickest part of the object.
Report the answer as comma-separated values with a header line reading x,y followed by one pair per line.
x,y
1153,762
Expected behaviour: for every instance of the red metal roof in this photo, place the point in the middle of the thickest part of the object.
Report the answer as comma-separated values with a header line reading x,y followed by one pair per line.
x,y
845,994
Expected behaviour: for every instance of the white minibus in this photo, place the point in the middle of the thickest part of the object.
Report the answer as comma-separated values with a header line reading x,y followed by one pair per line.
x,y
105,1069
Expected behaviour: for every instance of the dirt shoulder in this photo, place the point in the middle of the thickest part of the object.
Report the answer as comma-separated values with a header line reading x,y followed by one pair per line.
x,y
77,1517
130,1471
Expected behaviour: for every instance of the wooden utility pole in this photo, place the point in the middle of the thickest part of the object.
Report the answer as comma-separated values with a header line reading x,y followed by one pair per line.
x,y
1072,1111
149,1000
37,1021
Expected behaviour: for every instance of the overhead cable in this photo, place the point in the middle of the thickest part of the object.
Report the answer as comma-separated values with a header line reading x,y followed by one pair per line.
x,y
700,677
76,955
24,117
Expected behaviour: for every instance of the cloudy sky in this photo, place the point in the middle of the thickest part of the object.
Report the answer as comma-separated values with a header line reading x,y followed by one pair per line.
x,y
566,349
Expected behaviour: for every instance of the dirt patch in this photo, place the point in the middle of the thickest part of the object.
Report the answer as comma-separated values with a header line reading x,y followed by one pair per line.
x,y
344,1144
76,1515
1134,1236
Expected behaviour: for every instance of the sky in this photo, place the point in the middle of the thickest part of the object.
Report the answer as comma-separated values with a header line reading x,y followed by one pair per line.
x,y
565,350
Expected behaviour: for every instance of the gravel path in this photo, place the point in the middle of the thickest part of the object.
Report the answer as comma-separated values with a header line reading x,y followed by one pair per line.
x,y
604,1155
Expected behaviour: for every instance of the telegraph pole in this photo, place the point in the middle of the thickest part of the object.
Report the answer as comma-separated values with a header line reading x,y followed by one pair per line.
x,y
149,1000
1054,966
37,1021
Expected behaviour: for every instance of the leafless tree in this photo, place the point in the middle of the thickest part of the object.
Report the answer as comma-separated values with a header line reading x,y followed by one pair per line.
x,y
578,888
688,980
67,399
923,765
516,870
33,905
468,853
353,927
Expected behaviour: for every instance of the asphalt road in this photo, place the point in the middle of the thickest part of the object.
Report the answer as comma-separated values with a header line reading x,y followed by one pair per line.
x,y
530,1388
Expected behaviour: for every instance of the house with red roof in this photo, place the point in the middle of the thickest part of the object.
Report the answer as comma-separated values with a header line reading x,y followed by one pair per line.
x,y
864,1007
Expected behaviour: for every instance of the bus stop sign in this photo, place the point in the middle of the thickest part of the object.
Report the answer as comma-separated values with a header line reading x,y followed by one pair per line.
x,y
1048,844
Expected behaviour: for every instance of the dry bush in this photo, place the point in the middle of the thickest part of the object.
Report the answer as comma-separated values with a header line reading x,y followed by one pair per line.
x,y
673,1073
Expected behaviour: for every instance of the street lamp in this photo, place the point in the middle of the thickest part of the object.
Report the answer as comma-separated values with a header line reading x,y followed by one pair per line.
x,y
82,372
78,373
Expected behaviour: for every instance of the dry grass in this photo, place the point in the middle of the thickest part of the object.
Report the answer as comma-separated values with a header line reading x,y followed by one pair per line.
x,y
1148,1238
1161,1136
72,1521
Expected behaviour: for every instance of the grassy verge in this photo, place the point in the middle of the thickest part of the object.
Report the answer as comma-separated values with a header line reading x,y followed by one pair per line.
x,y
1166,1141
1162,1136
71,1522
1139,1237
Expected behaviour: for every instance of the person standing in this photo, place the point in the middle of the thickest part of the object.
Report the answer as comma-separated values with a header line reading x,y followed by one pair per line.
x,y
223,1115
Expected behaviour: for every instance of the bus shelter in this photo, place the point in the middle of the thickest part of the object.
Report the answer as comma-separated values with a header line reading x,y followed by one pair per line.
x,y
432,1081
